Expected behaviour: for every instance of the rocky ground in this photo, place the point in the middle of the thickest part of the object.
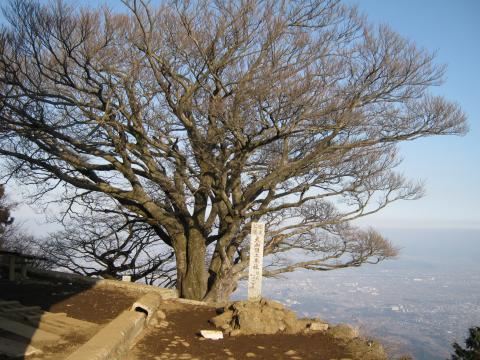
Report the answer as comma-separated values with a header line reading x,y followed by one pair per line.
x,y
263,330
177,336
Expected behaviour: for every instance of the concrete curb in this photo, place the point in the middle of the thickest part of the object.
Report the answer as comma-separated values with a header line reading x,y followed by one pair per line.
x,y
96,282
116,338
148,304
140,288
199,303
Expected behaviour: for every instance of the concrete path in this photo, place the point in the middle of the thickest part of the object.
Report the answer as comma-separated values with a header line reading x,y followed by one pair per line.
x,y
27,330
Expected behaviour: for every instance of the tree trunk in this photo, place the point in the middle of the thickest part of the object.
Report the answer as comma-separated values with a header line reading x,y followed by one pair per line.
x,y
191,270
193,281
221,287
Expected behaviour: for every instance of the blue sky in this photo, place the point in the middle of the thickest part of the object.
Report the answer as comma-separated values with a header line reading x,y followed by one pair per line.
x,y
450,166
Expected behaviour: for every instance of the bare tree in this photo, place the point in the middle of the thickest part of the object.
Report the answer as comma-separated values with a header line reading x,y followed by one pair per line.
x,y
13,236
108,243
5,218
201,117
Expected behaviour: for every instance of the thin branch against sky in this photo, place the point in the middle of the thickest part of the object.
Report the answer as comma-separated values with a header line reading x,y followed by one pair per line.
x,y
448,165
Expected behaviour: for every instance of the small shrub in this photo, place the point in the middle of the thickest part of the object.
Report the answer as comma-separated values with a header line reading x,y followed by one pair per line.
x,y
472,349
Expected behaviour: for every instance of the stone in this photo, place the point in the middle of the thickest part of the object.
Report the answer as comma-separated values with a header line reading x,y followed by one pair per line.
x,y
211,334
292,324
258,317
274,304
343,332
162,325
258,320
290,352
250,355
153,322
318,326
294,328
235,332
271,317
161,315
225,327
222,319
368,350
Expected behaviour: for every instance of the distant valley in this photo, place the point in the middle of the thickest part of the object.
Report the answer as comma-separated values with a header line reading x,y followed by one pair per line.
x,y
417,304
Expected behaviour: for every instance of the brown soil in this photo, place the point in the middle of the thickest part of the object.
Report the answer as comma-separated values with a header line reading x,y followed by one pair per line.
x,y
97,305
181,340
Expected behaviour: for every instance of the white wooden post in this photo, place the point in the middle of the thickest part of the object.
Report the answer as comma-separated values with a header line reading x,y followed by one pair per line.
x,y
256,261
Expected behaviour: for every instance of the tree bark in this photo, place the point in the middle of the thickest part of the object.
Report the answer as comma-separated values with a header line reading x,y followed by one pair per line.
x,y
222,287
191,270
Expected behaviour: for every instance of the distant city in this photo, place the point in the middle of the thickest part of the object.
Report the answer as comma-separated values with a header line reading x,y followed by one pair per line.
x,y
418,305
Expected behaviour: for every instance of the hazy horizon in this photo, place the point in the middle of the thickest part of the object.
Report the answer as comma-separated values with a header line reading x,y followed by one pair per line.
x,y
419,303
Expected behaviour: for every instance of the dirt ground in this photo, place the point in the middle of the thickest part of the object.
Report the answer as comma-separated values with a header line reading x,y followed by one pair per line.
x,y
177,337
82,302
181,340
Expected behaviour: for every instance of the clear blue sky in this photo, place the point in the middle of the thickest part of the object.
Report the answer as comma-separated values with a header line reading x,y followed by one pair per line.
x,y
450,166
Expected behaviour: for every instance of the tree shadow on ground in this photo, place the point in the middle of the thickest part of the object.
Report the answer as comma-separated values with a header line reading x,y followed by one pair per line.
x,y
35,309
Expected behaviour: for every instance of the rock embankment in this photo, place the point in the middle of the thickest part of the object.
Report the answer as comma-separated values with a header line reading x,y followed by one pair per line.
x,y
271,317
262,317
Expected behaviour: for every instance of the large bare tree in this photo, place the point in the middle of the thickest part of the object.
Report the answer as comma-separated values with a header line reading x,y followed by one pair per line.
x,y
201,117
5,218
13,237
102,239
